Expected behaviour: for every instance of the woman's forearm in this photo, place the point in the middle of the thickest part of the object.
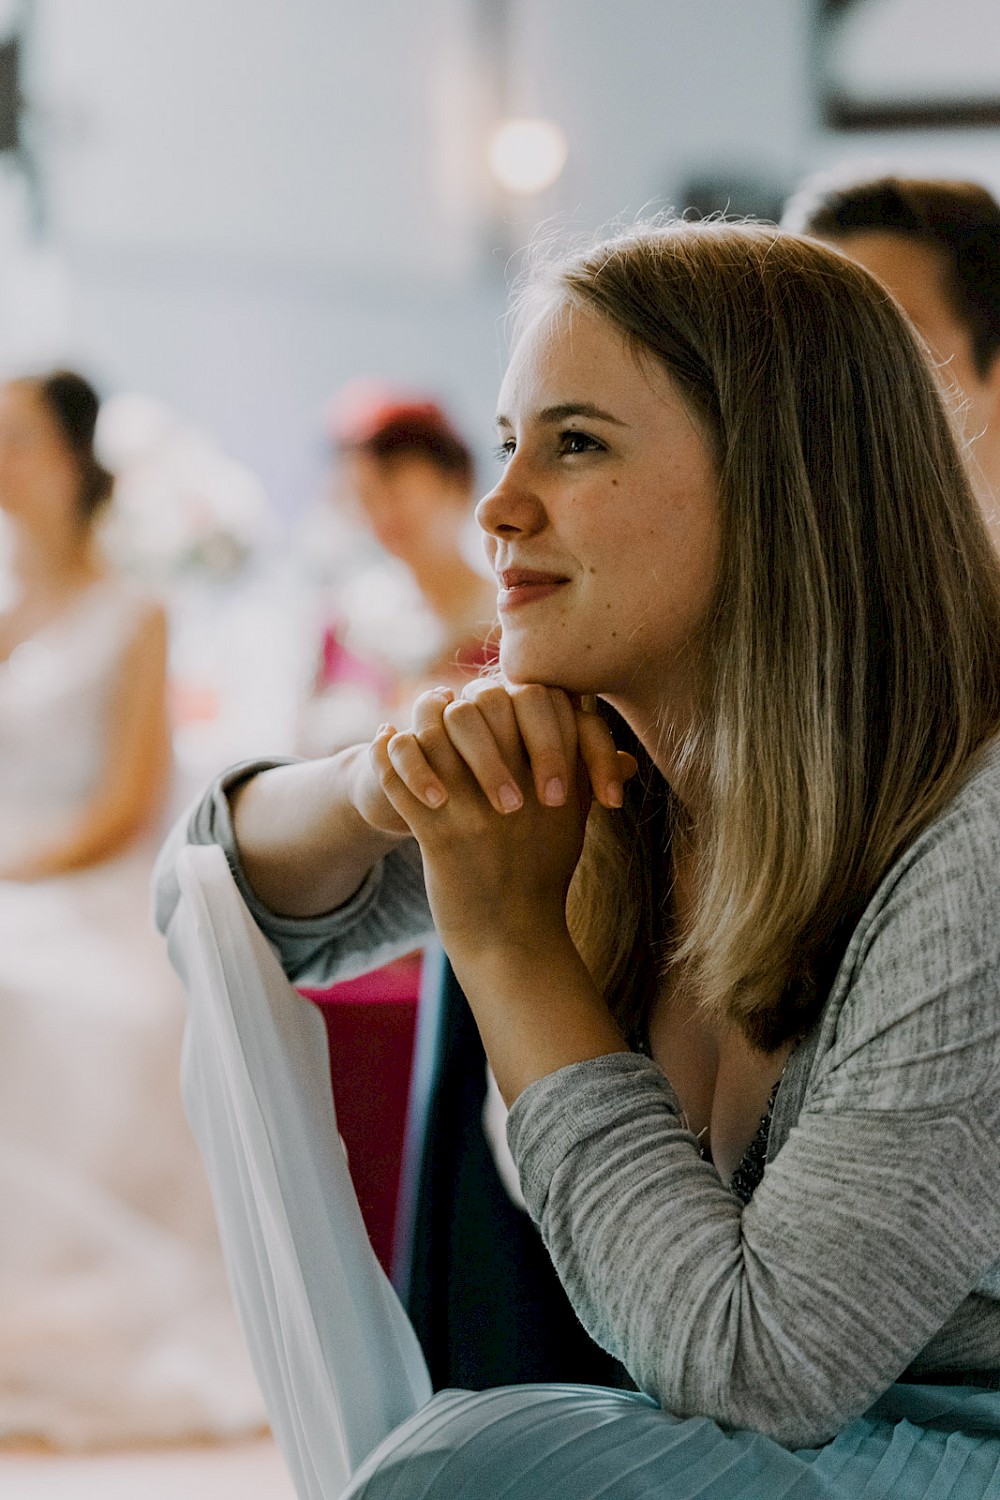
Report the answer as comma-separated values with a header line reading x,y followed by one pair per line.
x,y
536,1007
304,845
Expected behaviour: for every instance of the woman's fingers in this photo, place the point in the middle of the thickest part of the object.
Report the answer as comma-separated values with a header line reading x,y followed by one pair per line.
x,y
474,739
398,794
547,725
421,756
543,728
607,767
500,736
493,700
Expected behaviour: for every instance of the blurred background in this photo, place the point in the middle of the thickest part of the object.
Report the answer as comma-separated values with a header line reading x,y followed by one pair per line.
x,y
265,227
235,205
232,207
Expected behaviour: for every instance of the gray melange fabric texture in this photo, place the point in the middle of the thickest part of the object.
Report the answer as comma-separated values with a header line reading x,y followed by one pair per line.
x,y
870,1249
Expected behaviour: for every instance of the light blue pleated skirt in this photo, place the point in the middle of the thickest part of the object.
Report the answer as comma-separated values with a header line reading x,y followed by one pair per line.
x,y
561,1442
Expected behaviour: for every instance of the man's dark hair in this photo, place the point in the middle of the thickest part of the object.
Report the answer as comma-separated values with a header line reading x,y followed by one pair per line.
x,y
419,432
961,220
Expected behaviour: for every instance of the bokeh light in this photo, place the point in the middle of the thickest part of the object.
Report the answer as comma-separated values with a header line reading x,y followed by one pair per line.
x,y
527,155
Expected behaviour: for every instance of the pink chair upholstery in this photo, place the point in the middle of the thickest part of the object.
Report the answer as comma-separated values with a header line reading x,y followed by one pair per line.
x,y
370,1023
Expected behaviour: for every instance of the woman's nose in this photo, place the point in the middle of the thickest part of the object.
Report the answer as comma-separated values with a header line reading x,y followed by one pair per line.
x,y
510,509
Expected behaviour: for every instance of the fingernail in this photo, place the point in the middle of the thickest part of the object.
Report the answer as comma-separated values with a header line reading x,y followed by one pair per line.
x,y
509,797
555,793
381,730
613,794
434,796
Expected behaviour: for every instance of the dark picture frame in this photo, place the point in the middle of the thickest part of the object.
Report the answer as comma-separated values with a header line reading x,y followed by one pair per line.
x,y
841,111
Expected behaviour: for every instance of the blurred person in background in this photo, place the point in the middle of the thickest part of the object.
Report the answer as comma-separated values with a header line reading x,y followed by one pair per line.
x,y
935,243
422,611
115,1320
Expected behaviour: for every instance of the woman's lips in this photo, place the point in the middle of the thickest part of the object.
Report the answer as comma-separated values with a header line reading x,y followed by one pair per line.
x,y
520,586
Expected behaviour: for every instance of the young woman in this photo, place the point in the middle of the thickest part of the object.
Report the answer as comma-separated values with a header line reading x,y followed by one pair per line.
x,y
52,494
743,1003
115,1320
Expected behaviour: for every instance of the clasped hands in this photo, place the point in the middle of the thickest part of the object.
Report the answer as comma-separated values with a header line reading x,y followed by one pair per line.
x,y
495,786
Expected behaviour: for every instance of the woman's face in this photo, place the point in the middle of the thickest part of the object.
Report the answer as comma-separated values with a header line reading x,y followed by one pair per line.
x,y
39,475
604,528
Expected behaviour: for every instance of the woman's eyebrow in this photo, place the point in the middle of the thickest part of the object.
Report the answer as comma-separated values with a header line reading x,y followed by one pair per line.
x,y
570,409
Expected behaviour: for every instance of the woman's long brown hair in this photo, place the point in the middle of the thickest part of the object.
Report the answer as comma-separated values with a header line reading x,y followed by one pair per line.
x,y
852,660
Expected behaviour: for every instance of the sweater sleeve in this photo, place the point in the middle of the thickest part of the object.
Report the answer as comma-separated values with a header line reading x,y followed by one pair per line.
x,y
387,917
872,1224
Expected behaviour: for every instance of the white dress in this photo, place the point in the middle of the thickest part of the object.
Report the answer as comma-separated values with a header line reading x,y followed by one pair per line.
x,y
116,1324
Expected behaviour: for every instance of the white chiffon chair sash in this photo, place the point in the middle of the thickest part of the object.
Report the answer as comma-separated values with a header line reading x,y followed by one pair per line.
x,y
336,1356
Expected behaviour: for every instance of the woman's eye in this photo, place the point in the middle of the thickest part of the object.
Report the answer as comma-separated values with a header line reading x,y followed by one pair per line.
x,y
504,452
572,441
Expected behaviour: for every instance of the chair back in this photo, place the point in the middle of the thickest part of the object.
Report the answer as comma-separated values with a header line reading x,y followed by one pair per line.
x,y
337,1359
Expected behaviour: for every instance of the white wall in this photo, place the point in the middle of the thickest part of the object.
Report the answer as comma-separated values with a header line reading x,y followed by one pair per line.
x,y
290,131
256,199
650,89
252,200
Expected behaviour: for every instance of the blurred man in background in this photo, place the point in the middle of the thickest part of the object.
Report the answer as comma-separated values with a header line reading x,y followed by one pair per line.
x,y
936,245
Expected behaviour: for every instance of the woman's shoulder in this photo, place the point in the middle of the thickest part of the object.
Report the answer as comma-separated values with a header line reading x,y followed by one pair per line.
x,y
96,622
979,793
121,591
122,609
915,1007
957,851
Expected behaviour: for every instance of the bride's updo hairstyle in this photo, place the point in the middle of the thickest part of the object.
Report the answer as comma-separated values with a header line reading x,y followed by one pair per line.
x,y
851,663
74,404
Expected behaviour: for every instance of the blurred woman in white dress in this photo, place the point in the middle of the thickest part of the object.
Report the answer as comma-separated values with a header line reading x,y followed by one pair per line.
x,y
115,1319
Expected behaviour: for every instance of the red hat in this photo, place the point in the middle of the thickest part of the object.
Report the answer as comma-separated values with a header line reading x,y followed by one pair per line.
x,y
364,408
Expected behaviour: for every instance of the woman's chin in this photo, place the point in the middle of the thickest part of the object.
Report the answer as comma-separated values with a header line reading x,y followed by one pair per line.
x,y
520,667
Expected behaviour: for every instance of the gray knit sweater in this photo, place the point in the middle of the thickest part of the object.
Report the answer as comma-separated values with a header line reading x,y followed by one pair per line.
x,y
872,1245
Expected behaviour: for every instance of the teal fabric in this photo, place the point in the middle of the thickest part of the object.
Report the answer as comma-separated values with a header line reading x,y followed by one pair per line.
x,y
561,1442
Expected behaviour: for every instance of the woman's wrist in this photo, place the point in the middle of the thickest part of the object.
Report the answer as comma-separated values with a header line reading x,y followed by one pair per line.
x,y
304,845
537,1007
375,821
